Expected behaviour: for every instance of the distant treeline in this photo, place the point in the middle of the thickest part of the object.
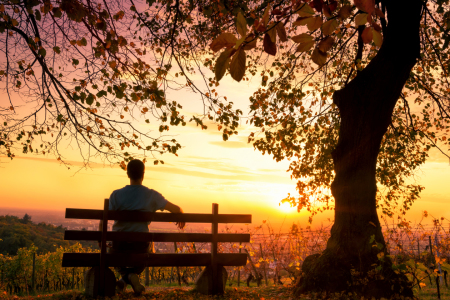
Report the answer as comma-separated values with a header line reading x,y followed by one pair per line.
x,y
18,232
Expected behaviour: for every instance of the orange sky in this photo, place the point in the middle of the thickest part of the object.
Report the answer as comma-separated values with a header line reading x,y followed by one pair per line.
x,y
206,171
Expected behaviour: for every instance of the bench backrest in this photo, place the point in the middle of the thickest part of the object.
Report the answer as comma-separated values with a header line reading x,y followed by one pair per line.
x,y
135,216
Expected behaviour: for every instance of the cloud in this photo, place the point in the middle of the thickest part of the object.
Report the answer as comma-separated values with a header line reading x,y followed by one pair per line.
x,y
71,163
239,176
231,144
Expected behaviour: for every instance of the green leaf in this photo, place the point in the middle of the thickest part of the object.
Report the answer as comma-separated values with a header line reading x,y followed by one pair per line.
x,y
101,94
83,42
90,99
75,61
37,13
42,52
57,12
57,49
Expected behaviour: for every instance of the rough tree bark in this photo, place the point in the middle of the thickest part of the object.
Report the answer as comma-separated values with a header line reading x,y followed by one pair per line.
x,y
366,105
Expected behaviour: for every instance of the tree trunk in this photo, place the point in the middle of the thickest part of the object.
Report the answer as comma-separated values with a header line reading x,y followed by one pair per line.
x,y
366,104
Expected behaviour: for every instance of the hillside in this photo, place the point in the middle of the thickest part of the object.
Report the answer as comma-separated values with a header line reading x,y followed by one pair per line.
x,y
18,232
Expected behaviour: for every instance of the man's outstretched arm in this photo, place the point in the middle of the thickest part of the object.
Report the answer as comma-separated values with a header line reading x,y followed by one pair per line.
x,y
177,210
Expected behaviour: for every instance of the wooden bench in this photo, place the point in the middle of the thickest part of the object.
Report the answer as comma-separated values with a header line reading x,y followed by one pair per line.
x,y
104,260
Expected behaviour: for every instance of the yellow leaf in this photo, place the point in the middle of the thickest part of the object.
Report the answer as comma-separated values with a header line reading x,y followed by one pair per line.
x,y
302,21
241,25
303,47
222,64
237,65
305,10
251,43
315,23
329,26
422,284
226,39
361,19
14,22
281,32
326,44
377,38
367,35
302,38
345,12
272,33
112,64
318,57
265,18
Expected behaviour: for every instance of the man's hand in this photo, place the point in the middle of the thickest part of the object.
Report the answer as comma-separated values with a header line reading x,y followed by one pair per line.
x,y
108,245
180,225
176,210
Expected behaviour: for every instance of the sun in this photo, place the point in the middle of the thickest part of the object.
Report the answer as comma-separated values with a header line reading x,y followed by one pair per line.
x,y
286,208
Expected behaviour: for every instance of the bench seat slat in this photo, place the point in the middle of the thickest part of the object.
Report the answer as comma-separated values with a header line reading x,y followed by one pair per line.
x,y
151,259
156,236
137,216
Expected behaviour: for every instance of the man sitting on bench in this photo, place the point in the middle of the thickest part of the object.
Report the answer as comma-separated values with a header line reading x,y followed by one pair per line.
x,y
136,197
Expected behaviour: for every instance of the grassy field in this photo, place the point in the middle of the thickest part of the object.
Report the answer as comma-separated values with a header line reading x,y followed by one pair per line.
x,y
176,292
271,292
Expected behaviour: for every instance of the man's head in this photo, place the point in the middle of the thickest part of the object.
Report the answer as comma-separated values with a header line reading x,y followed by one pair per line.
x,y
135,169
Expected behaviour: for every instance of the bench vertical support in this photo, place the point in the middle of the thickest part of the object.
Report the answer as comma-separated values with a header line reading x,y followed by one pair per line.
x,y
101,281
214,232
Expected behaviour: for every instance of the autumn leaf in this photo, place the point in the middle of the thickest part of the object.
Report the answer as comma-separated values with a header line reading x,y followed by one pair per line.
x,y
379,13
241,25
332,5
265,18
222,64
377,38
318,57
345,12
302,21
367,35
367,6
281,32
305,10
237,65
306,46
329,26
302,38
317,5
326,44
314,23
361,20
269,46
250,42
272,33
225,40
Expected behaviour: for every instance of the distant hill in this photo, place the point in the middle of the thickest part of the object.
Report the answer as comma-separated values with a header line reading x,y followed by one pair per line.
x,y
18,232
